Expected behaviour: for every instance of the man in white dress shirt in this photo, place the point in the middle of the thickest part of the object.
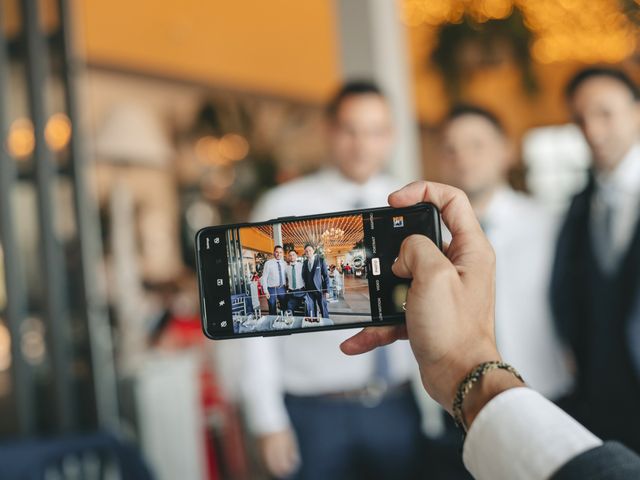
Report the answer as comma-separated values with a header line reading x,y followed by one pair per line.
x,y
596,283
308,404
295,283
273,280
476,156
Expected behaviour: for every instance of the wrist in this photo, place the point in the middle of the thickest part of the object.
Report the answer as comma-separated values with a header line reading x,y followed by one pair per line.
x,y
485,389
446,380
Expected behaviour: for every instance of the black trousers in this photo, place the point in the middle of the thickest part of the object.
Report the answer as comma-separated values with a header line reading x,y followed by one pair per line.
x,y
343,439
317,301
295,298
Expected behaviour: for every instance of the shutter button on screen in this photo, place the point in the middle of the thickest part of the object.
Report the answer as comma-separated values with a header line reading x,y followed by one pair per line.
x,y
375,266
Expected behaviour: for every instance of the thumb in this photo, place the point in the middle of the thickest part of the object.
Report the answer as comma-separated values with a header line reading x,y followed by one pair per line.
x,y
417,255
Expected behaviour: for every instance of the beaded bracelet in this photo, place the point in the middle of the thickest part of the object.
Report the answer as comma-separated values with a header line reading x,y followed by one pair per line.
x,y
467,383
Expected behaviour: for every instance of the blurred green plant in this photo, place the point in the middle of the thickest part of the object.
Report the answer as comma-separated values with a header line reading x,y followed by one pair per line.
x,y
632,10
468,46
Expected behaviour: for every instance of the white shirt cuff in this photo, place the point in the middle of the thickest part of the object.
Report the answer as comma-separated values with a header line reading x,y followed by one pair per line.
x,y
520,434
267,414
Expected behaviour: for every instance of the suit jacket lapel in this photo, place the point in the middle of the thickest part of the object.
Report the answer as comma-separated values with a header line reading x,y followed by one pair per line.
x,y
629,275
570,272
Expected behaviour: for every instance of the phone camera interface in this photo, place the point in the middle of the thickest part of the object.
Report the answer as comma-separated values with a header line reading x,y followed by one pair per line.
x,y
310,273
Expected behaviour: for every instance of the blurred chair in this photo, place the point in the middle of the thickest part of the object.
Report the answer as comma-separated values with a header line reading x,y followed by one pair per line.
x,y
170,416
96,456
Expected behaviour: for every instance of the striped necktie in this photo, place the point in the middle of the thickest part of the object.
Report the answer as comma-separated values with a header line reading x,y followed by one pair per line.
x,y
293,276
381,371
602,231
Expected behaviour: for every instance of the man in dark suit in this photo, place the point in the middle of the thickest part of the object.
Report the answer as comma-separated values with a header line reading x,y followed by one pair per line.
x,y
596,280
316,282
611,461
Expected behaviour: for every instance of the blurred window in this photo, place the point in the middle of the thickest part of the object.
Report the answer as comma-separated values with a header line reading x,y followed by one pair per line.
x,y
557,160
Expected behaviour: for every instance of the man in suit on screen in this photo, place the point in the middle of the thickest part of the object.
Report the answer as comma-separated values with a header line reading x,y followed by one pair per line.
x,y
316,281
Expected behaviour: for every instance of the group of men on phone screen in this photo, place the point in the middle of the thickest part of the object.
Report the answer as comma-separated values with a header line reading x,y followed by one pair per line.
x,y
294,285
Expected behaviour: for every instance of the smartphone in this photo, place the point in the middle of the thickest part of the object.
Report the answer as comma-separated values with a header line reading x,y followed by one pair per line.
x,y
308,273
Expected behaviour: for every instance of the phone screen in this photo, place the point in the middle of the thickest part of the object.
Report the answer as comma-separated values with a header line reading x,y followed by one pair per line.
x,y
319,272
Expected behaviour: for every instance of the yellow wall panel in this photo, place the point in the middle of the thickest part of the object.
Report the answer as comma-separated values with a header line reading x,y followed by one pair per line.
x,y
283,47
256,240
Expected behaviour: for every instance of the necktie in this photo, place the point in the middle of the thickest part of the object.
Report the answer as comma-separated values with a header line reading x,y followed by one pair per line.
x,y
381,365
293,276
357,204
279,274
380,355
602,232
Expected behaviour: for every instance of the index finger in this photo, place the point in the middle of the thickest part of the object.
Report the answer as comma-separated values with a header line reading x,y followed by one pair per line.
x,y
373,337
452,202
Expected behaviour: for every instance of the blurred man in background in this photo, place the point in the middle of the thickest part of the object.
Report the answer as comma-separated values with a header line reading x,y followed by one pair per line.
x,y
312,408
596,282
476,157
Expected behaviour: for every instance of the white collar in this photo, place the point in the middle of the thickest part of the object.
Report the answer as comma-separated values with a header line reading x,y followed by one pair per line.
x,y
335,175
625,177
341,184
498,207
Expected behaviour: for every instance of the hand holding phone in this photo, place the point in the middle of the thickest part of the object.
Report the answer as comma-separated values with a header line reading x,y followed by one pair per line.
x,y
251,274
451,307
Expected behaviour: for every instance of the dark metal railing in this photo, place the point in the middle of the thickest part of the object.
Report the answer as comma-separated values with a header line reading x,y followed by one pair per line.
x,y
16,307
61,310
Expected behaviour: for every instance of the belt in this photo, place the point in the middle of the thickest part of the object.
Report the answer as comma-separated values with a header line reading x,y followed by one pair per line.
x,y
370,396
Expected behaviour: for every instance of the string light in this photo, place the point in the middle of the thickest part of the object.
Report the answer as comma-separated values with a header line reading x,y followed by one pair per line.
x,y
207,151
340,233
332,235
233,146
21,141
564,30
585,31
57,132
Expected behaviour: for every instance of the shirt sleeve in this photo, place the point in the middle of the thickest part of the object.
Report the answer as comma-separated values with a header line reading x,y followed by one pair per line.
x,y
520,434
262,390
264,208
265,275
325,276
